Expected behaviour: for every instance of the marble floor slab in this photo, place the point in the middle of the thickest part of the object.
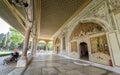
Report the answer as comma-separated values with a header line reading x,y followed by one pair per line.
x,y
48,64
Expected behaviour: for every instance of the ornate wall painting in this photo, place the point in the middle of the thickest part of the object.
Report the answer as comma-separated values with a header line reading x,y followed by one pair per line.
x,y
99,50
64,43
85,29
74,46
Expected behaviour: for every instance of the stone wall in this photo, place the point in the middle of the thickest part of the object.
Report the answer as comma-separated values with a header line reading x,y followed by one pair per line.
x,y
104,14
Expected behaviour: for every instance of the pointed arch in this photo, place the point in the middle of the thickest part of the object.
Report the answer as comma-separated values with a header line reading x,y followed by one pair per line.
x,y
57,41
57,45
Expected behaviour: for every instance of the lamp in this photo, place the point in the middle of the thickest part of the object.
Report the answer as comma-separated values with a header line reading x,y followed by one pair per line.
x,y
20,3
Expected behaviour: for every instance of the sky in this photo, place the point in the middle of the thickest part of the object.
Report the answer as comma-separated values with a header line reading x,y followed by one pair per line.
x,y
4,26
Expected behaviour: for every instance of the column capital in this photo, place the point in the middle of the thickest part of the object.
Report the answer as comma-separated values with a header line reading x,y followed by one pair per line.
x,y
28,23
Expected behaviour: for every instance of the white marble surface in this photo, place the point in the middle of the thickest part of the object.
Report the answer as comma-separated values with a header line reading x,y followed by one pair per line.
x,y
47,64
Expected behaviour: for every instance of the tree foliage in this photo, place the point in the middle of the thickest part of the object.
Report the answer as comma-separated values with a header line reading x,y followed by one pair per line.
x,y
5,41
13,39
50,45
1,40
16,37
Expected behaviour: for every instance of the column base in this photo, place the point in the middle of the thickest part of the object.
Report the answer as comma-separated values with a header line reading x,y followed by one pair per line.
x,y
33,53
22,62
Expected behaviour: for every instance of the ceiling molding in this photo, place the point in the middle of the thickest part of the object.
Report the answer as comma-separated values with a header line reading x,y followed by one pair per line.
x,y
16,13
37,15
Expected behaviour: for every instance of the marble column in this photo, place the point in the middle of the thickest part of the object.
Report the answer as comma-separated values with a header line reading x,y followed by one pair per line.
x,y
23,60
34,45
114,47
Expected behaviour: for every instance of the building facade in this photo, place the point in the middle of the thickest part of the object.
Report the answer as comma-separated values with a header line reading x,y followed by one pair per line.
x,y
93,35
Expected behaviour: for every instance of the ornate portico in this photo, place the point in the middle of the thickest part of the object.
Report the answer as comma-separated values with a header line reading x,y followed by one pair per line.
x,y
87,30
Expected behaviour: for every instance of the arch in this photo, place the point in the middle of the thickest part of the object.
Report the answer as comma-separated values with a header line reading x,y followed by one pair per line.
x,y
93,32
86,28
57,41
84,53
98,21
42,41
57,45
41,45
104,24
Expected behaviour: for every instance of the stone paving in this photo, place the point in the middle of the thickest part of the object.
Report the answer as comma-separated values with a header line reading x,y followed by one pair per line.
x,y
47,64
5,69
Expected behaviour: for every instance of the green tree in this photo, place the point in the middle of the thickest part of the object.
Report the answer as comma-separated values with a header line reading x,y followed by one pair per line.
x,y
8,40
4,41
1,40
16,37
50,45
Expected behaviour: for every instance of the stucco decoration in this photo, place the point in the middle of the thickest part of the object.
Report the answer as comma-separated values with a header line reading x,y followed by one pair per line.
x,y
85,29
74,46
57,41
99,49
115,6
98,11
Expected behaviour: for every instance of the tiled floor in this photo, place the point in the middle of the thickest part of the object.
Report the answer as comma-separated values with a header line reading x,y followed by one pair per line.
x,y
47,64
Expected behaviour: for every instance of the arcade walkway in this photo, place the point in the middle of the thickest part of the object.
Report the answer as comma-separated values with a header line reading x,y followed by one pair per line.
x,y
48,64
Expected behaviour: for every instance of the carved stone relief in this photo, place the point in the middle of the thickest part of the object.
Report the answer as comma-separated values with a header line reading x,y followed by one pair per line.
x,y
74,46
115,5
98,12
85,29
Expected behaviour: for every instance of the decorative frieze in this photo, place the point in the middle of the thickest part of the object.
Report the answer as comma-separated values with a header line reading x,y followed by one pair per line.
x,y
85,29
98,12
115,6
74,46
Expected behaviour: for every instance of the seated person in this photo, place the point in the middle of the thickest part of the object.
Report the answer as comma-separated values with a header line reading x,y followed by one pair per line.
x,y
14,55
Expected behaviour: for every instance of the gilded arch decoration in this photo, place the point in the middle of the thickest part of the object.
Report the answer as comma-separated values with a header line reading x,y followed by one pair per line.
x,y
83,29
99,47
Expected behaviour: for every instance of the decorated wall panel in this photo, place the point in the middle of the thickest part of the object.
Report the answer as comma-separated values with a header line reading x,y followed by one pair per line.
x,y
99,17
85,29
115,6
99,49
64,43
57,45
74,46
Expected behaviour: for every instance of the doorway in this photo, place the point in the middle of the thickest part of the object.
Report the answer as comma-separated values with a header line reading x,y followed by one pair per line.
x,y
58,50
84,51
